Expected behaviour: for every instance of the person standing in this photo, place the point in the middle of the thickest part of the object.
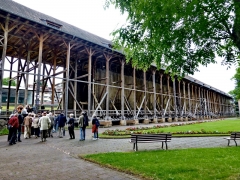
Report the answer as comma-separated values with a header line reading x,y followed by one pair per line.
x,y
55,123
13,123
51,126
27,122
71,127
44,123
20,122
9,131
95,125
61,124
81,126
35,126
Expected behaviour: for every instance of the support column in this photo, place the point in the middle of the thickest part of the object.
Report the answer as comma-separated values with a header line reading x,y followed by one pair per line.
x,y
17,83
53,83
43,77
134,96
146,120
161,92
169,97
154,96
189,102
185,102
175,101
123,121
193,103
208,108
4,52
67,78
180,101
89,81
41,39
27,76
75,88
108,58
9,84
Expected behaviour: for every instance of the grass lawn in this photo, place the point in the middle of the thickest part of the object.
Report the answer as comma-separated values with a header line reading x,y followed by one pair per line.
x,y
196,129
184,164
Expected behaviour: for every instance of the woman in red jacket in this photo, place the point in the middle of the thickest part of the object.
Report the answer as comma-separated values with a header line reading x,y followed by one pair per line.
x,y
13,122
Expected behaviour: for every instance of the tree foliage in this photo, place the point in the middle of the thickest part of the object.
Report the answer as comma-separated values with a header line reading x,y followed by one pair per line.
x,y
179,35
236,92
6,81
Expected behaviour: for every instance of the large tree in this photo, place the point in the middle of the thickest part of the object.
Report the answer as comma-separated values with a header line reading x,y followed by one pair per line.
x,y
6,81
236,92
179,35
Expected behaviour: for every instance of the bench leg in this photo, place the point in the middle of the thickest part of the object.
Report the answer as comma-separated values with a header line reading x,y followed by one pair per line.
x,y
133,146
228,142
166,145
136,147
162,145
235,142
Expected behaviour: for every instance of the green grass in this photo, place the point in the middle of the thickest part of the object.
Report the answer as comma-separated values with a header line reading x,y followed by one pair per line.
x,y
202,163
4,131
221,127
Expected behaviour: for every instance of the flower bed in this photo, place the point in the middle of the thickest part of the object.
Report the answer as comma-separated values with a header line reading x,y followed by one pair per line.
x,y
152,130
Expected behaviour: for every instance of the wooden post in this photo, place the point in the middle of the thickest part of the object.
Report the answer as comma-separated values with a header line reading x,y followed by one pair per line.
x,y
107,88
42,84
4,52
161,101
90,53
41,39
67,78
189,102
75,88
154,95
174,100
17,89
185,101
27,75
53,84
9,84
123,121
146,120
180,100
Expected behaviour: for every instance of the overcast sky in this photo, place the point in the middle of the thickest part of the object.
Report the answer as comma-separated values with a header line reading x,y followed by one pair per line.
x,y
91,16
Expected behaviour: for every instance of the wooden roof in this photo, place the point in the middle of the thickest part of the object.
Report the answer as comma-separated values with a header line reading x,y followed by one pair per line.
x,y
27,24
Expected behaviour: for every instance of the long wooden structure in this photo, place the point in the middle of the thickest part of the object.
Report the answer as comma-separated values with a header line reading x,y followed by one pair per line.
x,y
94,77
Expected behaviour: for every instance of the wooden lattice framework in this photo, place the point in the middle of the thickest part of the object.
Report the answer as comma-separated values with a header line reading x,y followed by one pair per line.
x,y
94,77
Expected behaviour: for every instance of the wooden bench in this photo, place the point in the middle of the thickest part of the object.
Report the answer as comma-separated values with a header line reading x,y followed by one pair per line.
x,y
149,138
234,136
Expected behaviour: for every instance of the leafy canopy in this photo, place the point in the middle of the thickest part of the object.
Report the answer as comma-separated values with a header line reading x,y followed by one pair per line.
x,y
6,81
236,92
178,35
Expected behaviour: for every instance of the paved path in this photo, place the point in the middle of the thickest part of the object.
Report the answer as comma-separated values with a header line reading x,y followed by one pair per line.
x,y
57,158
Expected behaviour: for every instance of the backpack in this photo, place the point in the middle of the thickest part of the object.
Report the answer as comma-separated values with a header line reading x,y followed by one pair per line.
x,y
97,123
85,121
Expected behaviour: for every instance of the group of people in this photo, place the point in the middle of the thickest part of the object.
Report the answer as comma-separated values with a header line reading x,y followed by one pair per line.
x,y
45,124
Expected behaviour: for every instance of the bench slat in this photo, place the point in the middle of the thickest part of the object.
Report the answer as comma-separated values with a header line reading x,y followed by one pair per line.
x,y
234,136
149,138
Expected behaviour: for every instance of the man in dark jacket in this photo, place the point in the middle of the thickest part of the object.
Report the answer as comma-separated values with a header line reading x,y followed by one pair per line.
x,y
13,123
20,122
61,124
71,127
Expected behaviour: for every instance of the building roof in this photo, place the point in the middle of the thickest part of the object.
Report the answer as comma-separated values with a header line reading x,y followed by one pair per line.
x,y
38,17
14,8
